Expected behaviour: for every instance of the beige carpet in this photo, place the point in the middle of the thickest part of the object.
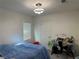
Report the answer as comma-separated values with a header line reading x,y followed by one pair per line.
x,y
61,56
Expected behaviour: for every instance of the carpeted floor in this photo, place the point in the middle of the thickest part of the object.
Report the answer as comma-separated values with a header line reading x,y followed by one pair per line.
x,y
61,56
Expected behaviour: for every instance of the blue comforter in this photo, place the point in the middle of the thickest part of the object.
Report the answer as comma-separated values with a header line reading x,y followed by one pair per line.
x,y
24,51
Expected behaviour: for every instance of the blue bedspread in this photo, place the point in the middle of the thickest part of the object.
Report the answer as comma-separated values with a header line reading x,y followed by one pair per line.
x,y
24,51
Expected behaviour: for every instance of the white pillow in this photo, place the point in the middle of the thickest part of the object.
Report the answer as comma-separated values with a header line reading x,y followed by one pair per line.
x,y
19,44
1,57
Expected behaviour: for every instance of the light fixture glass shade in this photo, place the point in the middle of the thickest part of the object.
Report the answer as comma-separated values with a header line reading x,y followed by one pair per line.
x,y
39,10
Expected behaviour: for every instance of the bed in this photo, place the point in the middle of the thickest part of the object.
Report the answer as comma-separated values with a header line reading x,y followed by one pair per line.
x,y
24,51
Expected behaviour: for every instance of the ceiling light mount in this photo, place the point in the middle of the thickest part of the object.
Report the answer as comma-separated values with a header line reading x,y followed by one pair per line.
x,y
38,4
63,1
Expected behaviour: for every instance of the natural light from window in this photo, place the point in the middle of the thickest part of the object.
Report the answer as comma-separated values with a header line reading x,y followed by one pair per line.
x,y
27,31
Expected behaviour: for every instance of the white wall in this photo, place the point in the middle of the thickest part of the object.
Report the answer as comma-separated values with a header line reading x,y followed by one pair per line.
x,y
11,26
59,23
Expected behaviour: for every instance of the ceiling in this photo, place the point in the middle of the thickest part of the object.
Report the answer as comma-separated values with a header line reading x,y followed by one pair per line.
x,y
50,6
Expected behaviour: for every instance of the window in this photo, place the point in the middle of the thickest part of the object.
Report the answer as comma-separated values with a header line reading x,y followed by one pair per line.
x,y
27,31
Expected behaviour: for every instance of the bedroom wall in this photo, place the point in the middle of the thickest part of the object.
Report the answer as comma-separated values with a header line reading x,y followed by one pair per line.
x,y
58,23
11,26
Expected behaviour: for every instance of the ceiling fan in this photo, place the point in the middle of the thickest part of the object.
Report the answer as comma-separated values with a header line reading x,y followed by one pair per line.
x,y
63,1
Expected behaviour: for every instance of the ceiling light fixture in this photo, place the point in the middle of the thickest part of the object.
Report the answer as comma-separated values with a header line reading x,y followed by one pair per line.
x,y
38,10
